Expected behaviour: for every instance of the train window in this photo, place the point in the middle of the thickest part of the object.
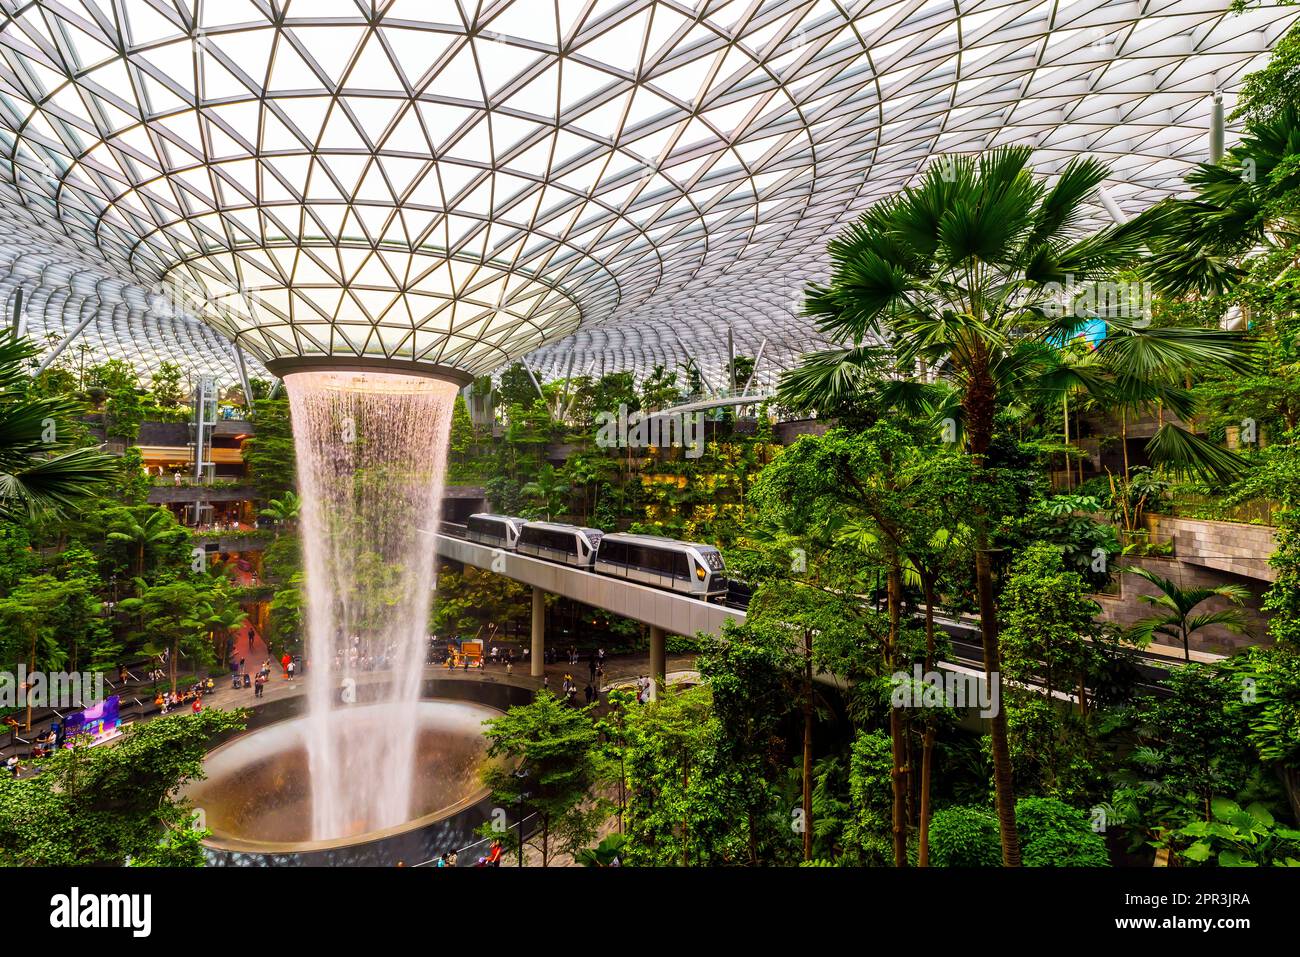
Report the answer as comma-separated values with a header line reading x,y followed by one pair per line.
x,y
613,551
681,567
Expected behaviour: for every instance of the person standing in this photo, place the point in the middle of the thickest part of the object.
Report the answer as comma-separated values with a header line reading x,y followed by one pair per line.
x,y
289,669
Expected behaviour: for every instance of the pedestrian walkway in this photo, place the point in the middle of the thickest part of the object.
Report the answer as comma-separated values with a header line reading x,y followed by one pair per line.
x,y
619,670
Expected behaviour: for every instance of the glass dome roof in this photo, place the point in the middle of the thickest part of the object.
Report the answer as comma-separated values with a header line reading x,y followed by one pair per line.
x,y
603,184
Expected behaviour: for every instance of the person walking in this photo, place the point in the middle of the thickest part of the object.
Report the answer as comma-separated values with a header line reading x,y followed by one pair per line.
x,y
289,670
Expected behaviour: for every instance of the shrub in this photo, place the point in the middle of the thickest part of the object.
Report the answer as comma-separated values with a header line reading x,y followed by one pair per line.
x,y
964,837
1054,834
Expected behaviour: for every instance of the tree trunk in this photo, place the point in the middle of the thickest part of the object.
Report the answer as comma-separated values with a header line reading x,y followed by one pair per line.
x,y
927,741
31,667
171,664
1291,783
807,745
1003,785
1123,437
980,403
1065,407
899,771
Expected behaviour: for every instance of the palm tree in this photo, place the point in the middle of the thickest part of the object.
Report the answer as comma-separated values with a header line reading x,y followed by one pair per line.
x,y
144,530
1243,202
41,471
284,510
550,488
964,277
1177,604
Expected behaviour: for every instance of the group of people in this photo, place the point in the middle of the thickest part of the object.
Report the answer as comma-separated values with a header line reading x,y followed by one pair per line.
x,y
241,678
491,859
569,689
169,701
220,526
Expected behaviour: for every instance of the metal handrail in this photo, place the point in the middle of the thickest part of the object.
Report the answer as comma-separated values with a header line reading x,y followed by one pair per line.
x,y
460,850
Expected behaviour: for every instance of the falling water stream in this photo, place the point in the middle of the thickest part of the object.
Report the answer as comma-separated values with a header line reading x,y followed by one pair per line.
x,y
371,451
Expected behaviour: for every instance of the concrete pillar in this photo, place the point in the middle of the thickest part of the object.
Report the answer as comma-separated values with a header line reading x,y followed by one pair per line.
x,y
537,655
658,661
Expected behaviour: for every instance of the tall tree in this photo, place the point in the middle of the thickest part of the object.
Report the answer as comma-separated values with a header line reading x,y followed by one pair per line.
x,y
549,763
964,277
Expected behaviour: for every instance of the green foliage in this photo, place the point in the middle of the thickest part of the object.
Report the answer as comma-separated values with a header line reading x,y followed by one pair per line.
x,y
1241,837
168,392
45,470
103,806
1176,616
690,803
867,834
269,453
469,600
1054,834
1267,91
516,387
659,389
131,484
1047,620
964,837
547,765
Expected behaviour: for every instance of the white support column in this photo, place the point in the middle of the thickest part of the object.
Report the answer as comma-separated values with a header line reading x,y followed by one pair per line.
x,y
1108,203
658,661
1216,127
538,653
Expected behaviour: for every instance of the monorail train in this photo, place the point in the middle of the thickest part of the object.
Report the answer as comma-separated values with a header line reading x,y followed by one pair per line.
x,y
688,568
564,544
495,531
684,567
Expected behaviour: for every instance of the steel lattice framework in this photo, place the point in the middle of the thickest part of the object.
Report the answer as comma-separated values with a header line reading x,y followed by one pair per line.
x,y
459,183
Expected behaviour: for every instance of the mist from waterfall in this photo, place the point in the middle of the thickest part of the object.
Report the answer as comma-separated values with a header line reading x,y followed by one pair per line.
x,y
371,452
